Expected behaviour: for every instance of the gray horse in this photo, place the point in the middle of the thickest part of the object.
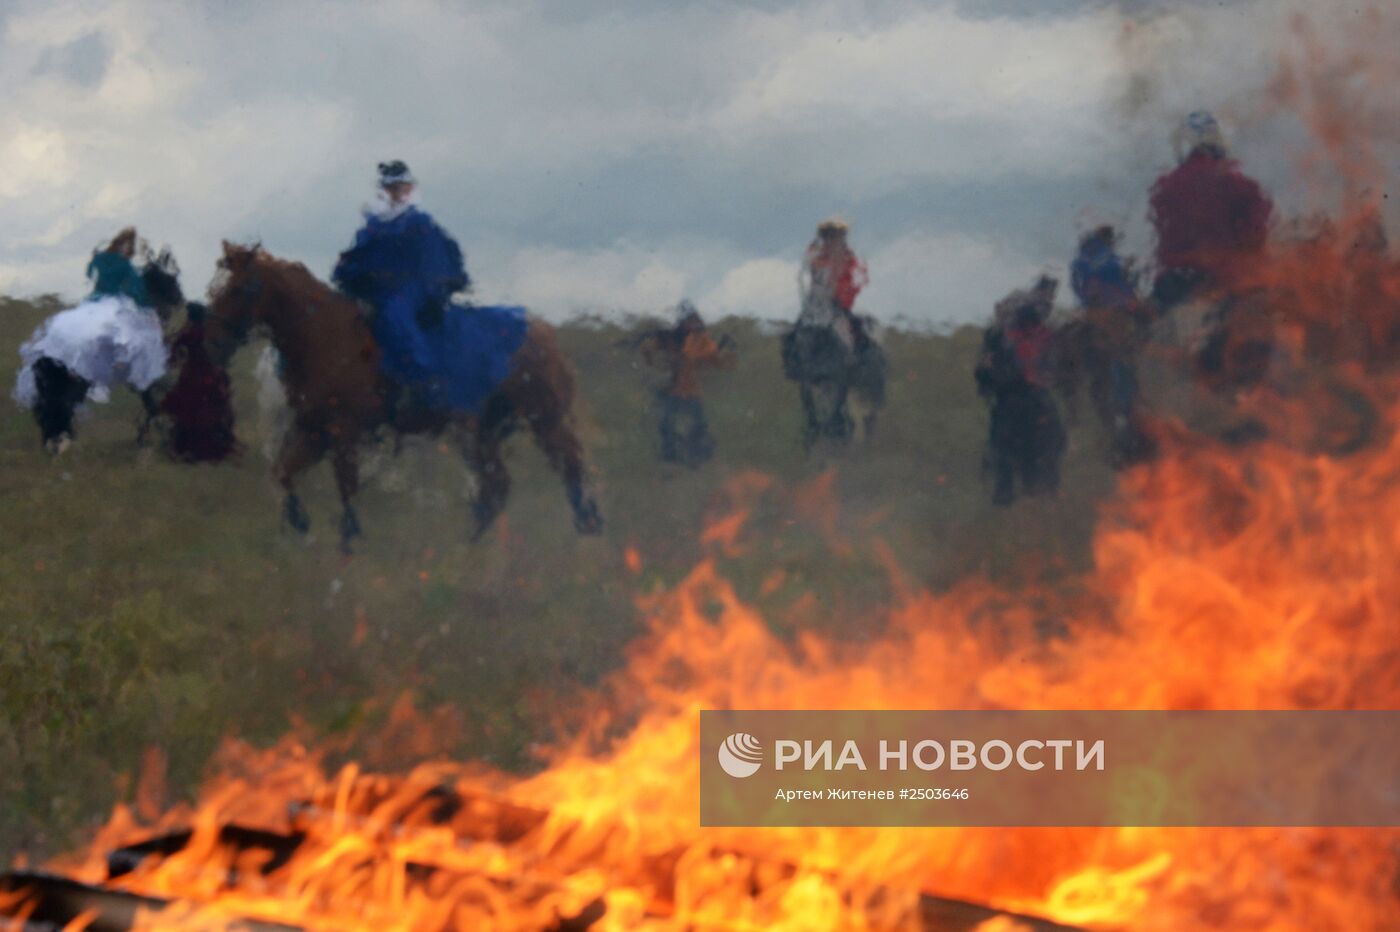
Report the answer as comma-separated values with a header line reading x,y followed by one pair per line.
x,y
829,372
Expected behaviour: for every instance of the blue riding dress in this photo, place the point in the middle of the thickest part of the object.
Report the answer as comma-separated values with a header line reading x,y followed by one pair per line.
x,y
407,267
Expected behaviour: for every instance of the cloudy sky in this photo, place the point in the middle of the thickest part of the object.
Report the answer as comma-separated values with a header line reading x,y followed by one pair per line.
x,y
619,156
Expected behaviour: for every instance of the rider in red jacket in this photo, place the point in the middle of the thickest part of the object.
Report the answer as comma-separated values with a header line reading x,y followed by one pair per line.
x,y
1211,219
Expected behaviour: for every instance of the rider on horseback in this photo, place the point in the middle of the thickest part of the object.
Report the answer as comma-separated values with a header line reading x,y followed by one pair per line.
x,y
407,268
112,272
1210,218
832,277
114,336
832,351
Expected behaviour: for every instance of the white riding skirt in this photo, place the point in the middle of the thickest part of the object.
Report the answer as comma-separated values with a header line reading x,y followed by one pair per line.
x,y
107,341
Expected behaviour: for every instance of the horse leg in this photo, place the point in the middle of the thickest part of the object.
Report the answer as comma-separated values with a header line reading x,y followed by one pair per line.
x,y
152,411
839,426
60,392
811,426
1000,445
869,416
541,390
666,425
700,446
301,449
497,422
347,480
1045,447
565,454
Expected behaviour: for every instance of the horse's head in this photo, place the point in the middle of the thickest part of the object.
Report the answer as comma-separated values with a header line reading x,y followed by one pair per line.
x,y
161,276
238,299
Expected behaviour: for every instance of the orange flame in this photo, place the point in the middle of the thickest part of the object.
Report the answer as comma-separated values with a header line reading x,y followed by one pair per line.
x,y
1265,580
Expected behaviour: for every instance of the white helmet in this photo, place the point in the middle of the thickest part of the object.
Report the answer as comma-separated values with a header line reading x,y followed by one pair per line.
x,y
1198,129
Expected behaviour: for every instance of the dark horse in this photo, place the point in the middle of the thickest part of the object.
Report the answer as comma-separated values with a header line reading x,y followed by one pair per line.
x,y
337,393
828,372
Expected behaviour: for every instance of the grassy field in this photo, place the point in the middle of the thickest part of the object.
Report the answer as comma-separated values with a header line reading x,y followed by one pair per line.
x,y
147,603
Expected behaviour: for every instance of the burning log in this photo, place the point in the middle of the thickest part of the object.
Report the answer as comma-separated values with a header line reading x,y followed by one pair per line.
x,y
480,816
377,807
279,847
386,812
47,903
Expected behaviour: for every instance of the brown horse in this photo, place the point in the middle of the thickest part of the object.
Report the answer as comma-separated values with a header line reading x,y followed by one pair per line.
x,y
338,395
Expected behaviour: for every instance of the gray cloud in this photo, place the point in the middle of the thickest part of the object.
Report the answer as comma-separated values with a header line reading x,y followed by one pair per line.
x,y
620,154
83,61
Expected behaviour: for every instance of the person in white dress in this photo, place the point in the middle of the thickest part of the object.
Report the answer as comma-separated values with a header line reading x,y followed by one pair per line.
x,y
114,337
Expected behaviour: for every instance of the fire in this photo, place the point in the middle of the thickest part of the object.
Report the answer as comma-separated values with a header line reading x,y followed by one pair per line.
x,y
1225,579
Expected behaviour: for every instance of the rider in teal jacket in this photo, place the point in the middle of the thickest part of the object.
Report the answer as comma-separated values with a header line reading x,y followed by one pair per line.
x,y
113,273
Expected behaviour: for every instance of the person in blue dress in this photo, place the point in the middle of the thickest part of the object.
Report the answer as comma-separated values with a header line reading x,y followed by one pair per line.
x,y
436,354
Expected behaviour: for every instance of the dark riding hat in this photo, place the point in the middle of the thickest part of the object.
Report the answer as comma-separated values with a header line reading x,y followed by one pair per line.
x,y
1105,235
395,172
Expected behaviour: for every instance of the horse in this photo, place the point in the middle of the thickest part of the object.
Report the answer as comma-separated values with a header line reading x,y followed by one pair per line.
x,y
330,367
829,372
79,353
1230,347
1101,346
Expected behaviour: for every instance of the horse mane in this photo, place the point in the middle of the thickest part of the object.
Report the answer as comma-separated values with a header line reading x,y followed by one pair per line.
x,y
298,281
297,278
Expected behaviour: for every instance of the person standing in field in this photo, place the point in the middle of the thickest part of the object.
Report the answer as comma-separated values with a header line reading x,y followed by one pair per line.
x,y
684,351
1026,438
199,404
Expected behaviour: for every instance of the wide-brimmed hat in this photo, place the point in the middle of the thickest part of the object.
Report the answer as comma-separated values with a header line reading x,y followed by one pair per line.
x,y
833,224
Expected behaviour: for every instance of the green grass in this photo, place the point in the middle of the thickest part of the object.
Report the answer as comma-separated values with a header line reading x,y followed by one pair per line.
x,y
148,603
